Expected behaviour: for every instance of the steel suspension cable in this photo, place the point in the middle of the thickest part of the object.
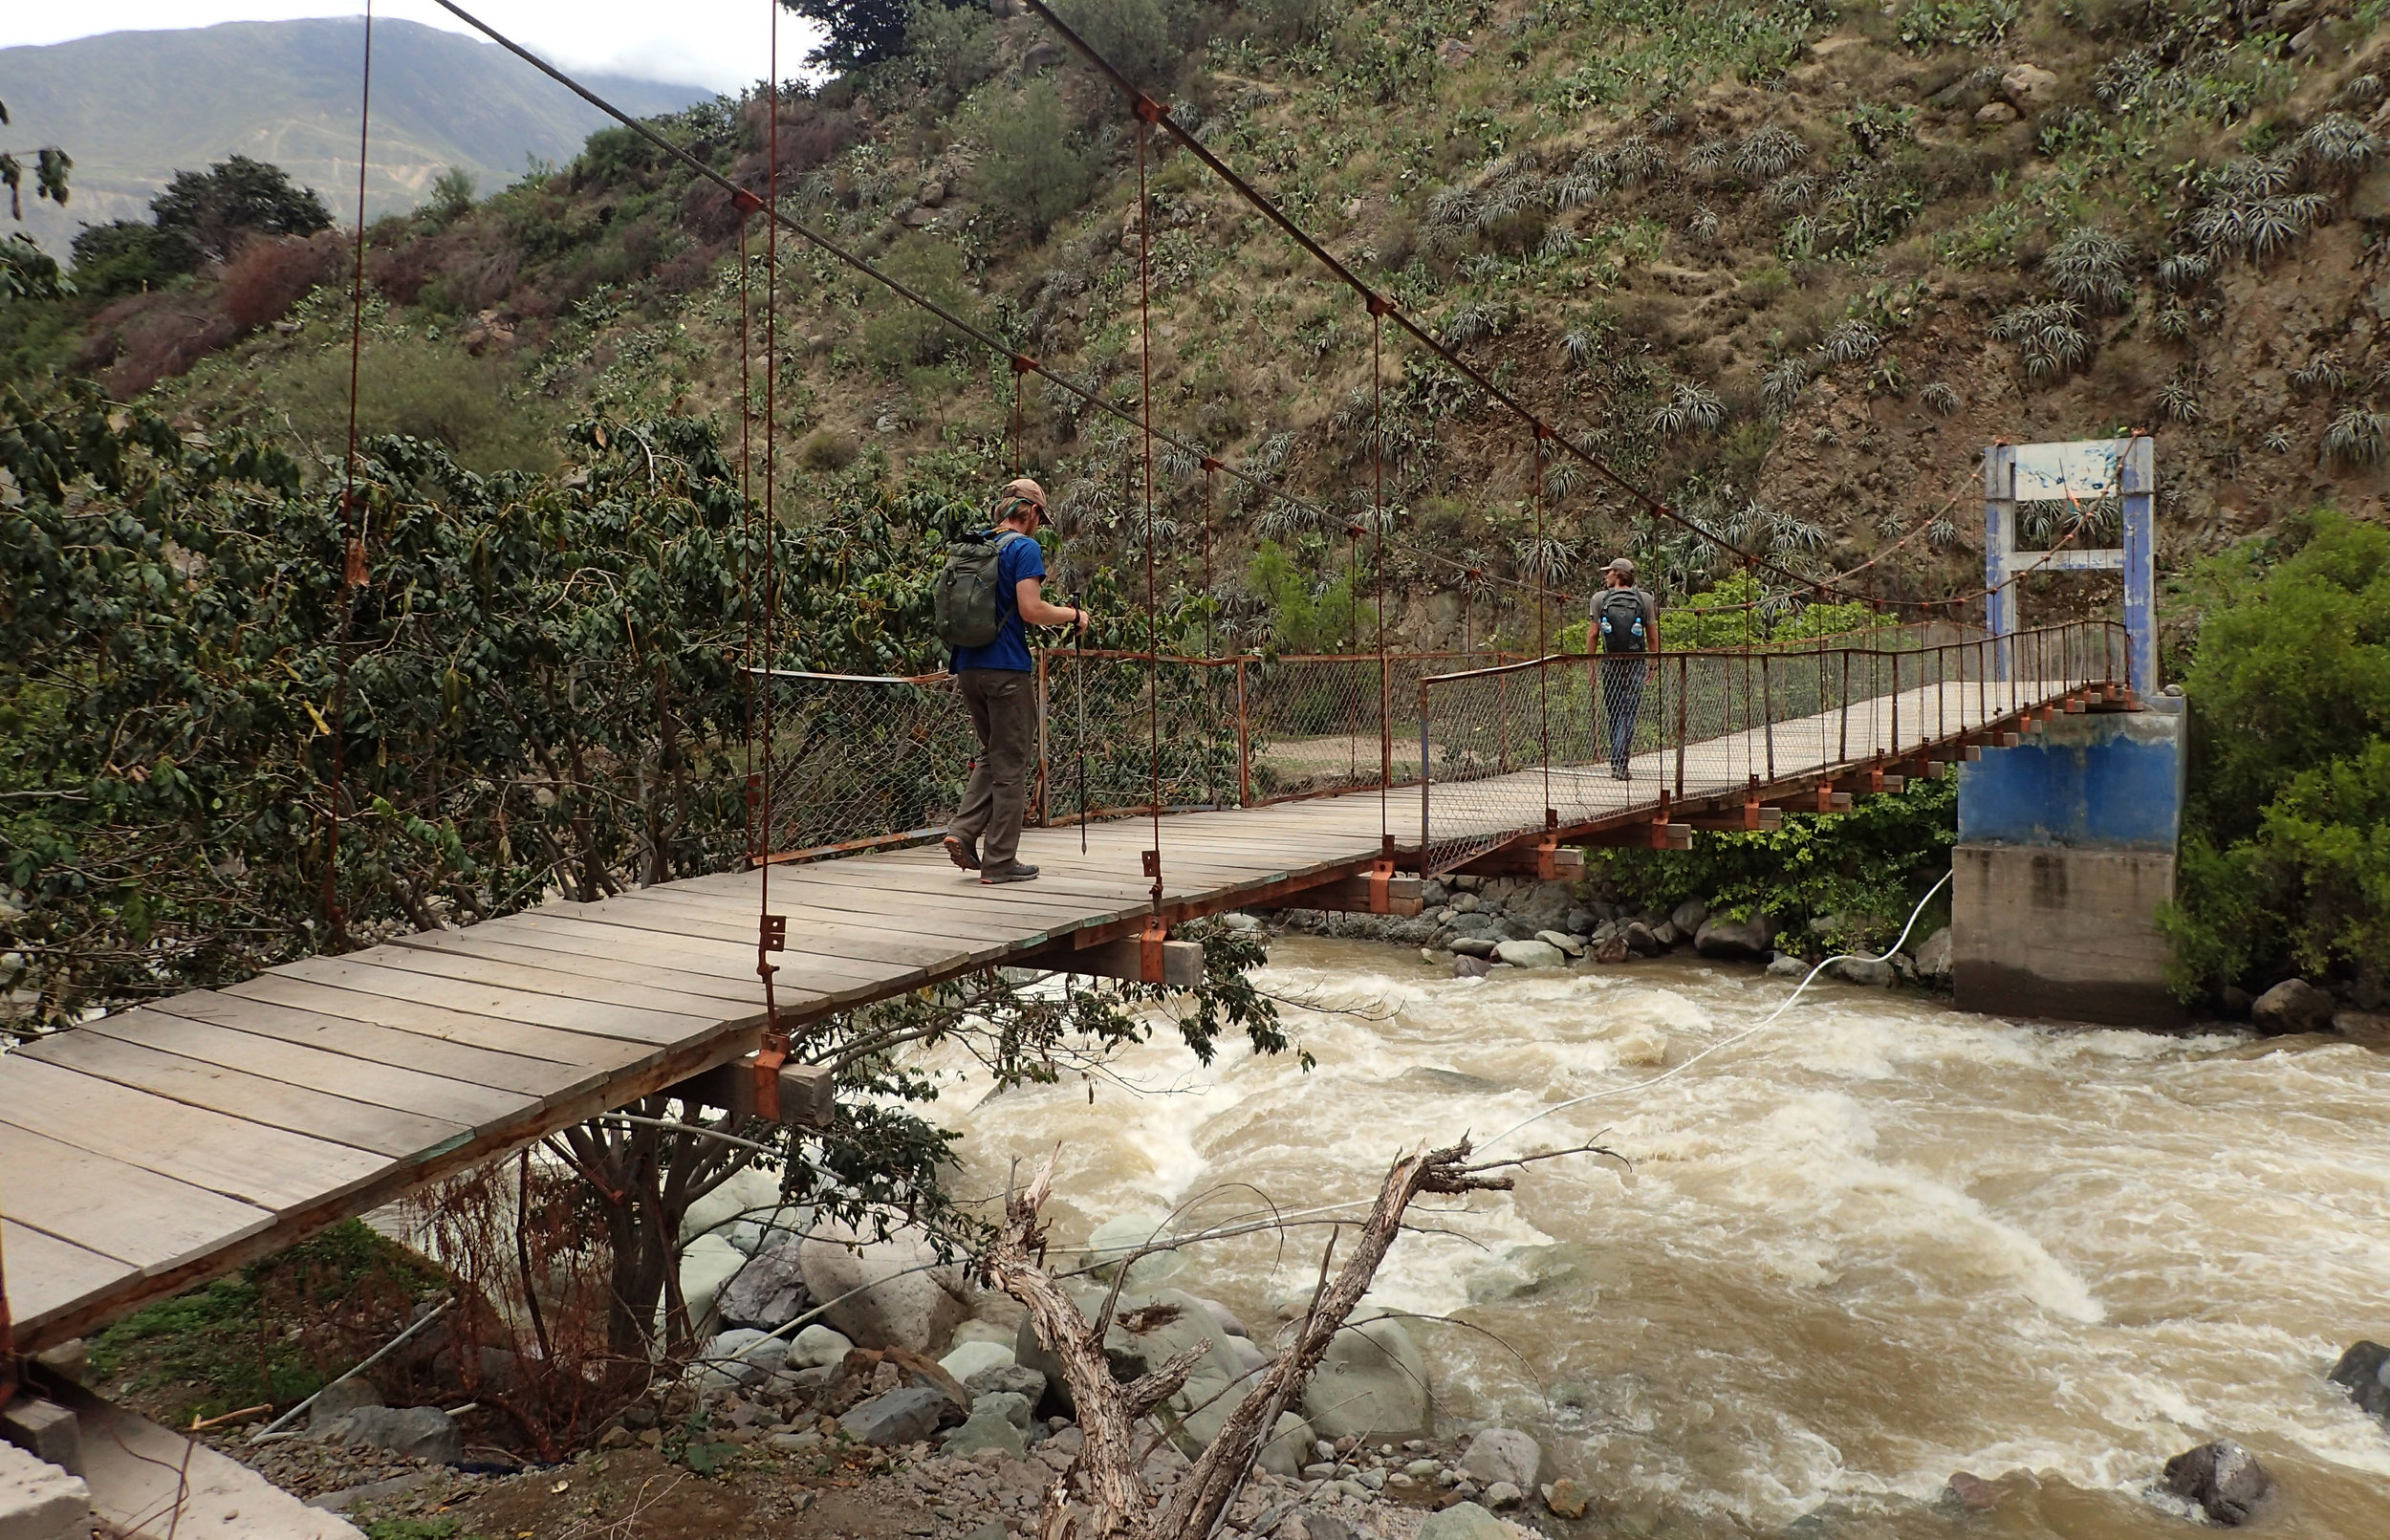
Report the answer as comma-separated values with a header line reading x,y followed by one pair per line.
x,y
770,929
1378,505
1145,409
1543,630
353,572
758,813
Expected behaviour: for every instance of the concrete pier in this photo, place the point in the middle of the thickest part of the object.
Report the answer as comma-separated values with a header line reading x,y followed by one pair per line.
x,y
2066,851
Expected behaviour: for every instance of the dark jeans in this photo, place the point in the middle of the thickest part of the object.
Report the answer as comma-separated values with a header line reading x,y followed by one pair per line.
x,y
1622,702
1003,704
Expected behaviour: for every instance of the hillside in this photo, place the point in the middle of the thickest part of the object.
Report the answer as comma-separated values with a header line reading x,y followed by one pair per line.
x,y
134,107
1785,267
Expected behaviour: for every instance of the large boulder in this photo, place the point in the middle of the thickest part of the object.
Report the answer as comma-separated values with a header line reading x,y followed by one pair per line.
x,y
751,1193
889,1293
1503,1455
1933,955
2028,86
2364,1371
1464,1521
2292,1006
1751,940
1117,1240
424,1433
1373,1385
971,1357
1011,1379
905,1416
999,1422
1531,954
819,1347
768,1293
707,1264
2220,1477
740,1356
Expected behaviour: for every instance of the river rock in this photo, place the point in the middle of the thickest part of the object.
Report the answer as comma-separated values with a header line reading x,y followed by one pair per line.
x,y
340,1398
1118,1239
897,1307
1573,945
1789,966
818,1347
706,1264
1642,940
1373,1385
2370,1027
2220,1477
1471,967
1687,917
1531,954
2028,86
971,1357
2292,1006
1464,1521
768,1292
424,1433
1502,1455
1970,1493
1610,949
1474,948
1566,1499
999,1422
904,1416
753,1192
1933,955
743,1357
1750,938
2364,1370
1869,970
1009,1379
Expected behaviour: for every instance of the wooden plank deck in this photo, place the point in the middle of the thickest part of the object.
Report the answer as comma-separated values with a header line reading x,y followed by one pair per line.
x,y
161,1146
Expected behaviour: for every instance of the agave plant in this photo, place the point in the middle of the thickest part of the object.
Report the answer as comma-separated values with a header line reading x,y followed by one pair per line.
x,y
1559,240
1769,152
1703,227
2185,270
1579,346
2049,335
2177,400
2091,267
2357,435
2363,91
1563,477
1710,155
1689,406
2337,144
1942,397
2278,439
2324,373
1472,322
1781,383
1796,190
2174,323
1850,342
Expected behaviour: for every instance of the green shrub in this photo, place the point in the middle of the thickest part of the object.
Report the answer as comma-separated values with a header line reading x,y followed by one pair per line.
x,y
903,334
1304,616
826,448
128,256
1037,168
425,390
2286,848
1133,34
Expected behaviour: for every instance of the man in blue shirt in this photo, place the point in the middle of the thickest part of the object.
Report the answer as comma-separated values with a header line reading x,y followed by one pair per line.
x,y
999,689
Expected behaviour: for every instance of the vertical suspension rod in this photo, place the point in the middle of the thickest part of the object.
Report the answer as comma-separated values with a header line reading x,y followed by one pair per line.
x,y
351,529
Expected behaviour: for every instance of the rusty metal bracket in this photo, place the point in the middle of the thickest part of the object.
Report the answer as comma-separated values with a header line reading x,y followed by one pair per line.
x,y
775,933
1149,956
1380,876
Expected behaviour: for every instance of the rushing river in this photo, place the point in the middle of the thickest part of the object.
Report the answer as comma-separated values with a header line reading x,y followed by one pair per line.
x,y
1879,1243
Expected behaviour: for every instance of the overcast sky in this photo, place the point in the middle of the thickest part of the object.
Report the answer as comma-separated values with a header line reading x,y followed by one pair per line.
x,y
715,43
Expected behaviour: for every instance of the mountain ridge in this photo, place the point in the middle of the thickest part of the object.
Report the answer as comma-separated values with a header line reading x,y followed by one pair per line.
x,y
134,107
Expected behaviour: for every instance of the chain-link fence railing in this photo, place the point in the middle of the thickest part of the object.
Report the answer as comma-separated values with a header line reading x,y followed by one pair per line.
x,y
855,760
1567,741
1117,724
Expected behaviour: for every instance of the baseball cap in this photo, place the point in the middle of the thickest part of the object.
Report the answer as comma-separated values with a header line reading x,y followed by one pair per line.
x,y
1623,567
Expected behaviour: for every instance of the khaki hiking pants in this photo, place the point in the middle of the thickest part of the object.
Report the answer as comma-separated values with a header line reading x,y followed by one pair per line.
x,y
1003,704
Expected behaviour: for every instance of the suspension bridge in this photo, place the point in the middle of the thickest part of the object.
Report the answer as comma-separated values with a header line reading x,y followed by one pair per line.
x,y
154,1147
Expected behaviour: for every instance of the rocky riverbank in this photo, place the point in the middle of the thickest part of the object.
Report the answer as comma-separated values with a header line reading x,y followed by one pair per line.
x,y
1478,923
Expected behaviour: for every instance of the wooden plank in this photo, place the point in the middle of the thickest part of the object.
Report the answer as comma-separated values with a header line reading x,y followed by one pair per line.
x,y
115,1209
551,977
45,1275
543,950
628,1023
256,1162
446,1057
892,935
271,1058
664,939
890,892
362,1126
589,1051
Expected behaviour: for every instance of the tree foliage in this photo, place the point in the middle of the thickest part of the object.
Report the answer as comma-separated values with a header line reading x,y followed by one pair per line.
x,y
858,32
52,167
1037,168
212,211
2286,847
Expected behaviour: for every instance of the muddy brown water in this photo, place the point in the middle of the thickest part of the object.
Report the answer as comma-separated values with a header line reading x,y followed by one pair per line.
x,y
1881,1241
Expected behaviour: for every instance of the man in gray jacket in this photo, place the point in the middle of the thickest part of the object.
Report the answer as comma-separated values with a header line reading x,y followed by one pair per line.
x,y
1625,630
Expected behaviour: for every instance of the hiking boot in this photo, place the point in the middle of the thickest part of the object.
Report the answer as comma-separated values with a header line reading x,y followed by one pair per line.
x,y
1017,871
962,851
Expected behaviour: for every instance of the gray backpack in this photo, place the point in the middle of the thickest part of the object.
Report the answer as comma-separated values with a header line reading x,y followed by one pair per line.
x,y
1619,620
970,601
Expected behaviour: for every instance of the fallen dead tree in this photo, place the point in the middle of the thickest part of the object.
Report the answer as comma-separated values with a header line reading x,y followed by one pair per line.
x,y
1115,1503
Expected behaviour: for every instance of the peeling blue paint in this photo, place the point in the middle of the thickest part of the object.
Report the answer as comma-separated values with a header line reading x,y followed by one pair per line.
x,y
2102,780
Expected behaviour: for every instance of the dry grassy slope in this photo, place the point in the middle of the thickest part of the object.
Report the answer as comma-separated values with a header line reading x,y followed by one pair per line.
x,y
1690,277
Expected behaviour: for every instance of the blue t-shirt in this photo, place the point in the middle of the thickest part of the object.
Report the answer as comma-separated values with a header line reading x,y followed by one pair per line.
x,y
1020,557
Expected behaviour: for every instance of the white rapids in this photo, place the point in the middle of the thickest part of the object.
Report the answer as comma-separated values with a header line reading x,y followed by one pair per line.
x,y
1881,1241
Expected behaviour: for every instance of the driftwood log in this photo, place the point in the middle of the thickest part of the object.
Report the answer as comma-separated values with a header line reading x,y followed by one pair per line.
x,y
1120,1506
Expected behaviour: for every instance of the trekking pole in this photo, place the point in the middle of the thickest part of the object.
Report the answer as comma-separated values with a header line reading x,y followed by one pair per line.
x,y
1078,678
